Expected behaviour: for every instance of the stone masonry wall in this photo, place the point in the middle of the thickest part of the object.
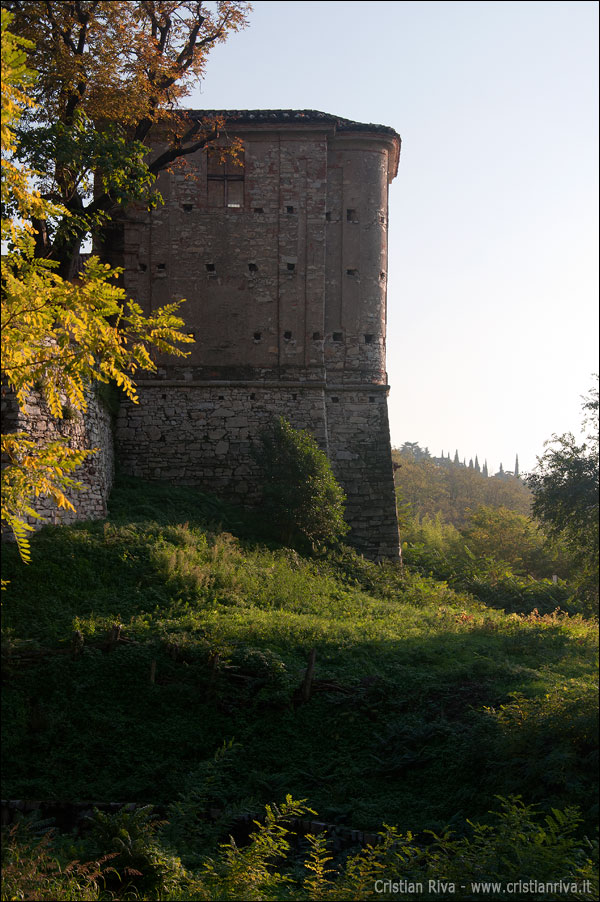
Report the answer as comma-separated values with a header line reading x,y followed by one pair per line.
x,y
92,430
360,452
282,259
202,434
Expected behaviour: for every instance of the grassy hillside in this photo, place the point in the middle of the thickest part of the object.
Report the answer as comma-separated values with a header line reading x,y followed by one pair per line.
x,y
136,648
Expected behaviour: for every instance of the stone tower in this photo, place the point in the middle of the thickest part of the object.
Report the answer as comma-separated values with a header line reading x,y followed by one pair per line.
x,y
282,258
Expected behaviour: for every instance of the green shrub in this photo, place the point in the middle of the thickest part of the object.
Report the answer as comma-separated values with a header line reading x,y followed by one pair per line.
x,y
143,864
207,806
549,743
515,539
438,549
301,497
514,844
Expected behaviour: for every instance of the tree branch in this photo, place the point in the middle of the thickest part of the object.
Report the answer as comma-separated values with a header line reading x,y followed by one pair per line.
x,y
175,152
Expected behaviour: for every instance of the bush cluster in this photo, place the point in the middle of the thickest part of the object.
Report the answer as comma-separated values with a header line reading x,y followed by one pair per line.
x,y
301,498
132,860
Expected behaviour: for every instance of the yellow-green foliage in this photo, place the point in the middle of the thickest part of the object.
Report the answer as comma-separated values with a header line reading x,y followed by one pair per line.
x,y
57,335
32,869
514,843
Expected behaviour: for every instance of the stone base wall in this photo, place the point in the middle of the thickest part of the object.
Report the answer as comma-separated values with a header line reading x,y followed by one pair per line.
x,y
92,430
361,457
201,434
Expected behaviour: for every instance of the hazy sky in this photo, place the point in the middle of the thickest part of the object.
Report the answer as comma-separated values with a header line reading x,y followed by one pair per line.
x,y
493,253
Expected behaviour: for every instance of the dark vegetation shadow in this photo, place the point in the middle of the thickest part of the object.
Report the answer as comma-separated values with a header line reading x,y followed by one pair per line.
x,y
419,731
416,732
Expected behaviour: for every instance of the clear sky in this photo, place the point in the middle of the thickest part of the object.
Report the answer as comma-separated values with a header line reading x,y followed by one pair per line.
x,y
493,253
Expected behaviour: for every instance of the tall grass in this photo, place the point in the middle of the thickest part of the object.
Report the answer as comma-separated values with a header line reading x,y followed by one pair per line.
x,y
134,648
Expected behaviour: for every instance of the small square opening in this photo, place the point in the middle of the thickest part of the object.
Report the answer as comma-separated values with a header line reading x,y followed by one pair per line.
x,y
289,209
317,336
338,336
351,216
252,267
291,267
161,267
369,339
142,267
352,272
257,336
287,336
188,208
210,267
335,400
259,210
328,216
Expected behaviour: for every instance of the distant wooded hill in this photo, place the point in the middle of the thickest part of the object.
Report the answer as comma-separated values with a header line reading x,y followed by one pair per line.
x,y
427,485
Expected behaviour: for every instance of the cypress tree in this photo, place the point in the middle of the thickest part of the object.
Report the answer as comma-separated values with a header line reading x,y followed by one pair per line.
x,y
485,470
477,467
517,465
456,460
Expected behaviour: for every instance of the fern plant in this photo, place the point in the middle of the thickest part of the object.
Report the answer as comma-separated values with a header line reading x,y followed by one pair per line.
x,y
144,865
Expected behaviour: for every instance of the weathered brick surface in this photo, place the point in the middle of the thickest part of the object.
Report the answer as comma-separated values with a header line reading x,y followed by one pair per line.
x,y
285,291
286,296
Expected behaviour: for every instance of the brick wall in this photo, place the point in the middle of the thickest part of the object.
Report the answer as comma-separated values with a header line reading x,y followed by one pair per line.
x,y
283,264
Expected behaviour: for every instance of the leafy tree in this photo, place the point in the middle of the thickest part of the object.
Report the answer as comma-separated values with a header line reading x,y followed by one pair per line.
x,y
421,485
565,494
430,486
301,496
412,449
110,75
57,336
511,537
